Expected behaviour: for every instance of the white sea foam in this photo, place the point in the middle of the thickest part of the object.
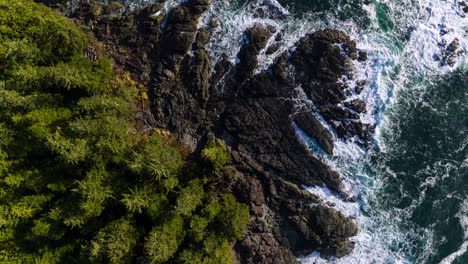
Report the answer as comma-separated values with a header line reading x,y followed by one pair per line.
x,y
463,217
394,61
379,231
329,199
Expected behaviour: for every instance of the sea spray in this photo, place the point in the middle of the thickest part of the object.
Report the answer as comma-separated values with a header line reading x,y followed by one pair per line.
x,y
396,58
463,216
395,65
402,39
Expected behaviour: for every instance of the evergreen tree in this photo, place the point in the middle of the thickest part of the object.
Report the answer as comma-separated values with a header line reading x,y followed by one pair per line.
x,y
78,182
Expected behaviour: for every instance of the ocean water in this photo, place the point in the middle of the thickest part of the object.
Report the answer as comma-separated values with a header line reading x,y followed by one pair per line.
x,y
412,184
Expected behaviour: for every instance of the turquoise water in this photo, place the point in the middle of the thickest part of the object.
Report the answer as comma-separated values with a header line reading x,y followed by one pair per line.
x,y
413,184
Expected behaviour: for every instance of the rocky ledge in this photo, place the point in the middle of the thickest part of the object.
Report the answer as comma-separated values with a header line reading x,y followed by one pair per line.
x,y
254,114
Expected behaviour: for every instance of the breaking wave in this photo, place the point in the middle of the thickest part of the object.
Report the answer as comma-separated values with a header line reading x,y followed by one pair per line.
x,y
394,181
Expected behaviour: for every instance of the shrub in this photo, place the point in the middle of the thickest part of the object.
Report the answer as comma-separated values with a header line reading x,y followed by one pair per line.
x,y
190,198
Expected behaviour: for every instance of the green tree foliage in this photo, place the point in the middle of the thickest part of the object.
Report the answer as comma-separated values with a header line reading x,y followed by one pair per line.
x,y
164,240
157,162
190,198
32,35
233,217
78,182
114,243
216,155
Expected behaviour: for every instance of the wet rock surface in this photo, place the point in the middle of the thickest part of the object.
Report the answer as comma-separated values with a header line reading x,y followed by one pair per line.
x,y
253,113
268,9
314,128
255,40
324,67
450,51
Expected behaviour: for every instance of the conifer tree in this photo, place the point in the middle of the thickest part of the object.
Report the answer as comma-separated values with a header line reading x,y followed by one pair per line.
x,y
78,182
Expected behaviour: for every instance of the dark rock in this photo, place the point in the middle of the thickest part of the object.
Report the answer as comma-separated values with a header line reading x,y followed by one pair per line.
x,y
360,85
113,7
201,74
357,105
147,21
271,28
350,50
221,68
334,112
449,54
349,129
442,43
332,227
314,129
320,65
202,39
454,45
255,194
279,69
251,112
273,48
256,39
362,56
214,23
279,37
444,31
267,9
463,6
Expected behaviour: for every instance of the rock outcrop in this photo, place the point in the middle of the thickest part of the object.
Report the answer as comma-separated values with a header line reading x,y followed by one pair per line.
x,y
449,51
312,126
253,113
324,66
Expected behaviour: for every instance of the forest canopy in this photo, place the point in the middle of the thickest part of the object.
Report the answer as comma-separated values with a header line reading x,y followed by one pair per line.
x,y
78,182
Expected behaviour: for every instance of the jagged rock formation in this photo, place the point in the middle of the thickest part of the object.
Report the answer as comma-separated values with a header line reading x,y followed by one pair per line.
x,y
312,126
323,63
449,53
253,113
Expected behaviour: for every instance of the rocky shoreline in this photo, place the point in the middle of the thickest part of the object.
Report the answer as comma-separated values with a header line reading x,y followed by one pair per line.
x,y
253,114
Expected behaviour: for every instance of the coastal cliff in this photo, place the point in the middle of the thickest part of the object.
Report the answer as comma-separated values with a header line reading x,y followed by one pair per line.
x,y
253,112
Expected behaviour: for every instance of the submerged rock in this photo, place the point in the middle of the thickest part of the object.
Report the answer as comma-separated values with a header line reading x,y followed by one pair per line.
x,y
268,9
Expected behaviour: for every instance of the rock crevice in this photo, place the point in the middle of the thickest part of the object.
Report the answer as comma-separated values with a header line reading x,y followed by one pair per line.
x,y
253,113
